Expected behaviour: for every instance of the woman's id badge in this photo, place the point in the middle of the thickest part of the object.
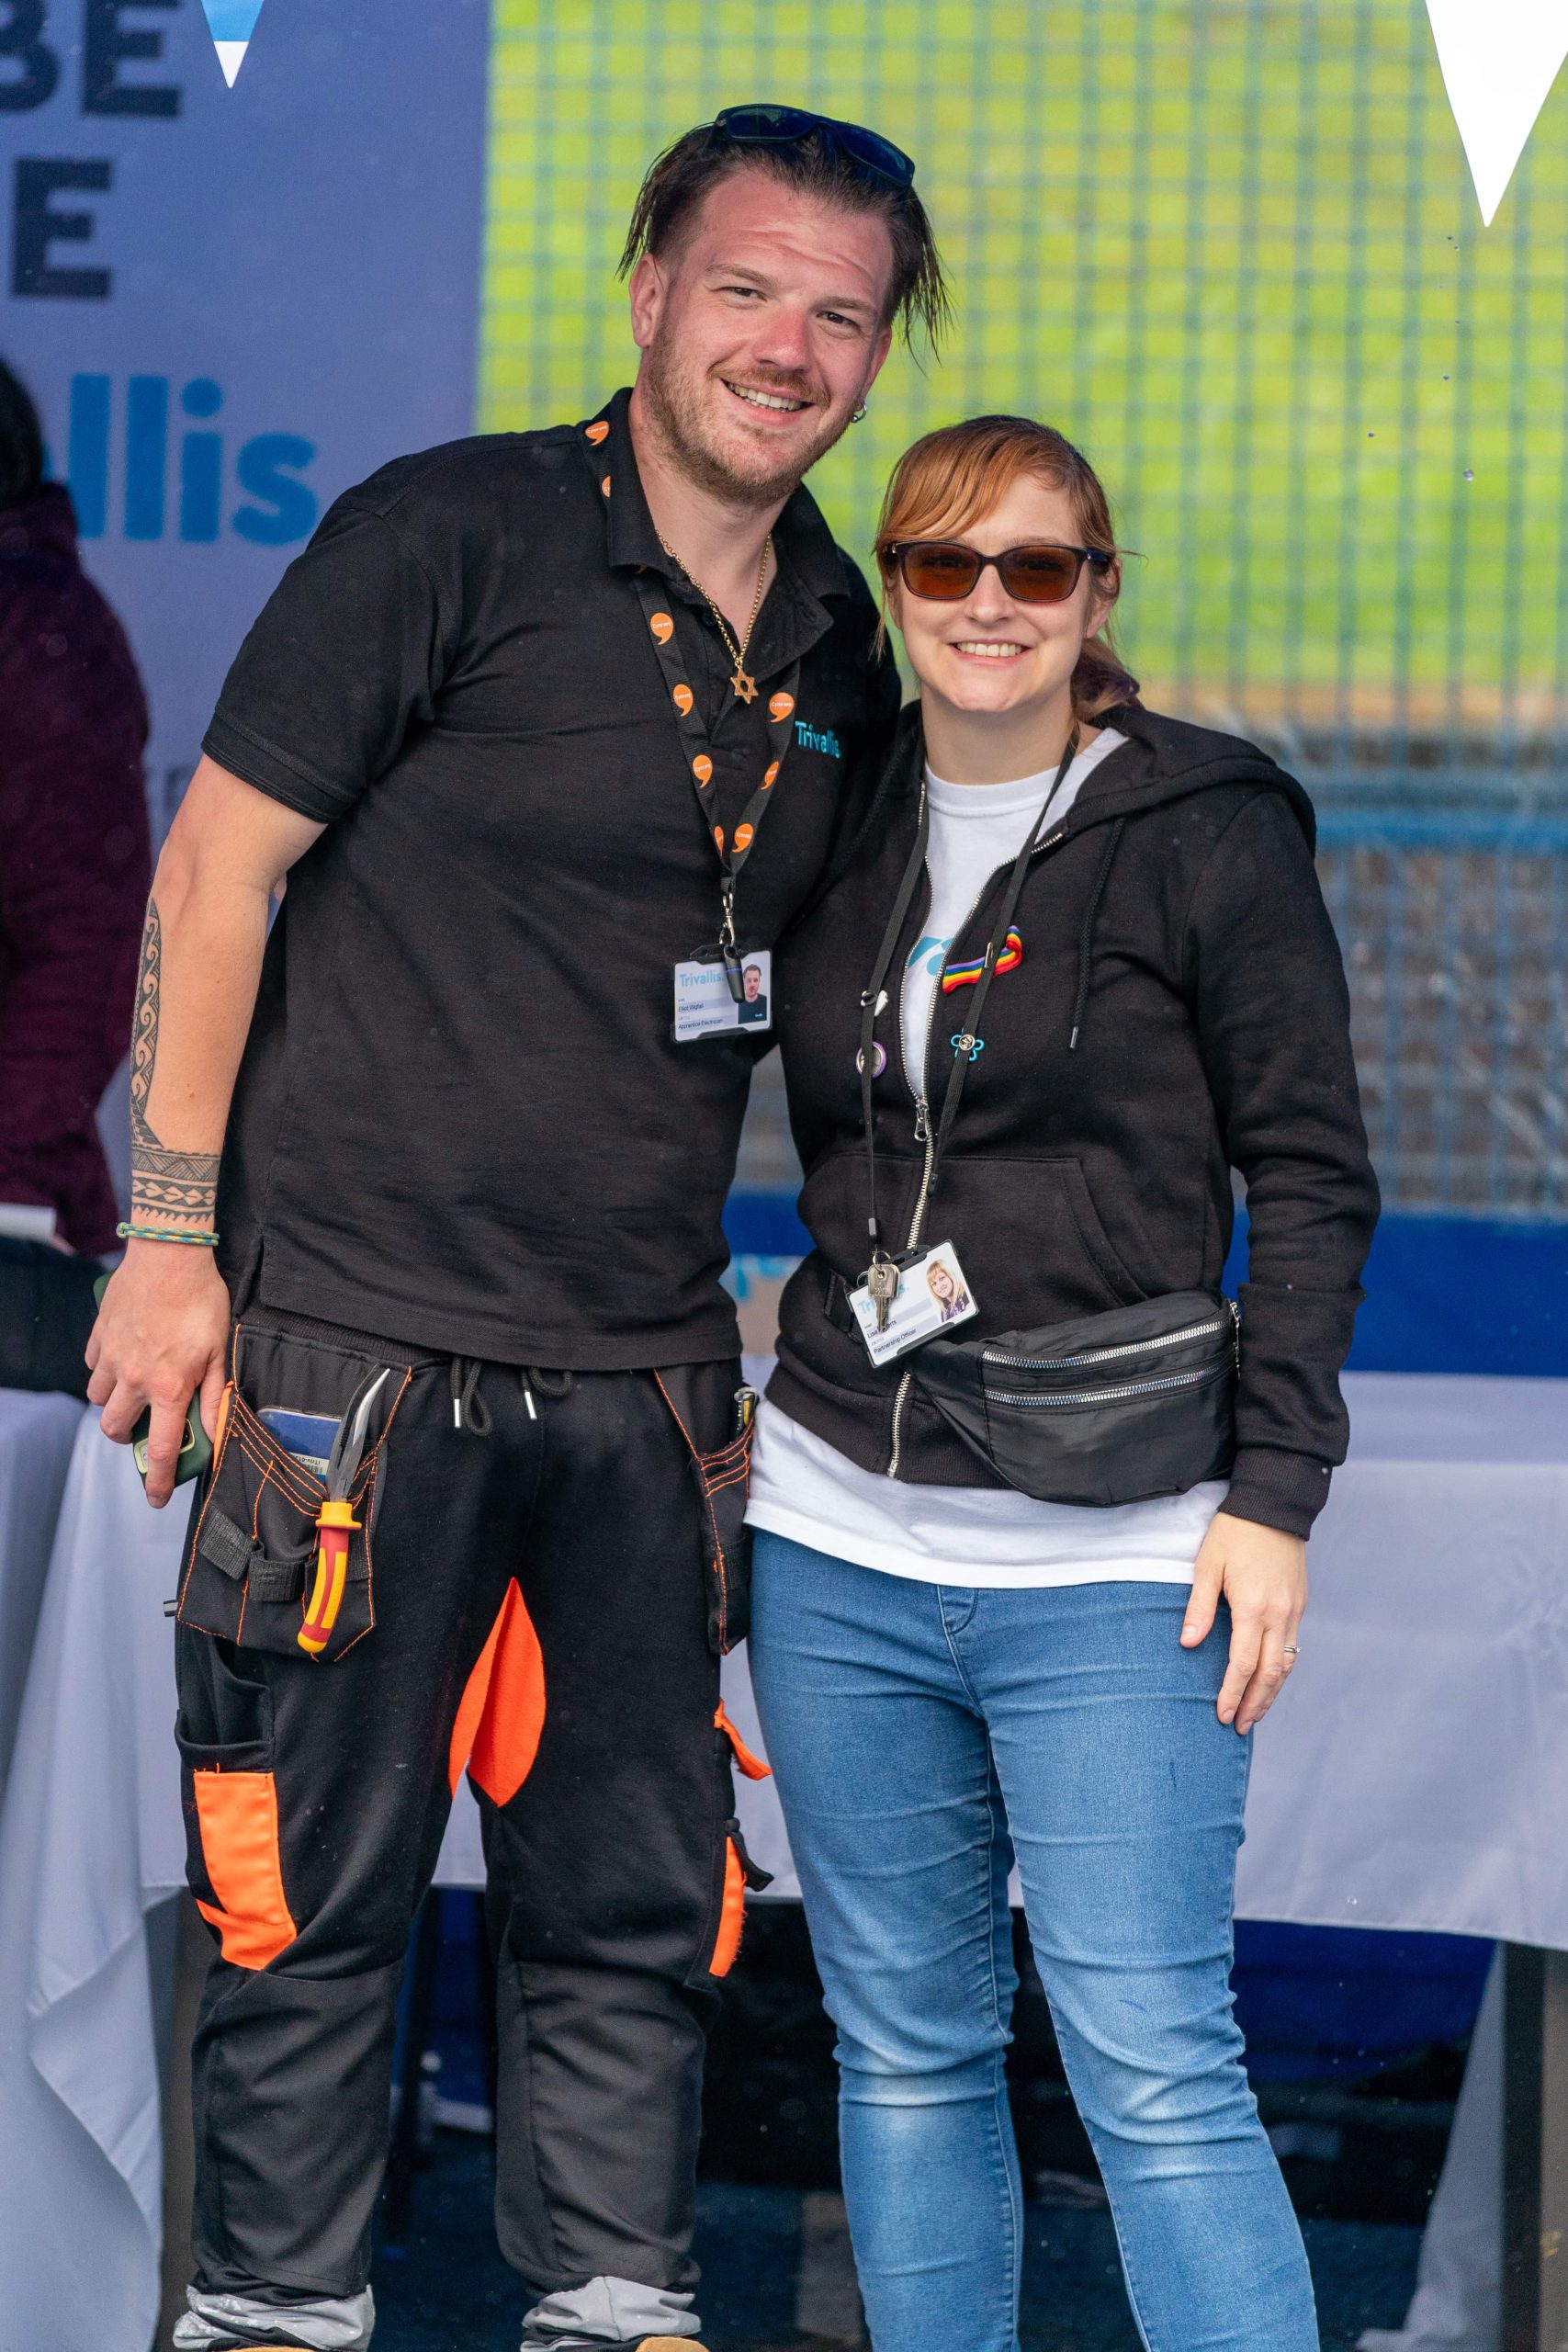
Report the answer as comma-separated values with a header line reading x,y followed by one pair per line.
x,y
705,1004
932,1294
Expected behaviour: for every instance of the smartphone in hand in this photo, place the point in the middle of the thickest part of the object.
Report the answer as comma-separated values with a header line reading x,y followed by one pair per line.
x,y
195,1446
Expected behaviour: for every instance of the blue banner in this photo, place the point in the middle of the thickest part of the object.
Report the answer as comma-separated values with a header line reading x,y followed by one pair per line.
x,y
230,302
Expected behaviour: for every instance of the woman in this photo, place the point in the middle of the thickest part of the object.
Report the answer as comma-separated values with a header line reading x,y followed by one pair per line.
x,y
1111,980
952,1302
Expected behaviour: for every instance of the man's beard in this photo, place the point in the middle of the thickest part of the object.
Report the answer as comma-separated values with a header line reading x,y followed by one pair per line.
x,y
675,406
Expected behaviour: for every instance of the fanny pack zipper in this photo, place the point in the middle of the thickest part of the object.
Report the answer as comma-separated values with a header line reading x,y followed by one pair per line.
x,y
1108,1355
1109,1396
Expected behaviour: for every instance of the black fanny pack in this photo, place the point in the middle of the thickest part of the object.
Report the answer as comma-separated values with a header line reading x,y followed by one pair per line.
x,y
1103,1409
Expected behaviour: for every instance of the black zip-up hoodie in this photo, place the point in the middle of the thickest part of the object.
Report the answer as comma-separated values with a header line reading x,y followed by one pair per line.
x,y
1180,1010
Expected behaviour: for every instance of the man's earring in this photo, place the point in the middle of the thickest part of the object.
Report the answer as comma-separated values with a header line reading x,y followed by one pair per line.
x,y
856,414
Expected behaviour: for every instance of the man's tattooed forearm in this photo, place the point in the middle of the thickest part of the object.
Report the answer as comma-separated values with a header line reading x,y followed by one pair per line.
x,y
144,1027
197,1197
163,1184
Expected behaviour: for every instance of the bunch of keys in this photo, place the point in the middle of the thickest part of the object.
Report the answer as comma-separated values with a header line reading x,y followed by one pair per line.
x,y
882,1285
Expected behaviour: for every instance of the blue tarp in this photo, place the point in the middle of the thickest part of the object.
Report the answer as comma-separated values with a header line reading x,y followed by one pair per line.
x,y
1444,1294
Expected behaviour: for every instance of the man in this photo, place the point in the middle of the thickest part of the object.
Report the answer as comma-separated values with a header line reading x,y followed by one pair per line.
x,y
519,726
752,1010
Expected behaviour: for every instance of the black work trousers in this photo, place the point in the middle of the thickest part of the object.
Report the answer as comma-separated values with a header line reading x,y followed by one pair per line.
x,y
527,1598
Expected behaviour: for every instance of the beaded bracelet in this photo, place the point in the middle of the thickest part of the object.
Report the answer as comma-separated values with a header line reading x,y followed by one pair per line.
x,y
165,1233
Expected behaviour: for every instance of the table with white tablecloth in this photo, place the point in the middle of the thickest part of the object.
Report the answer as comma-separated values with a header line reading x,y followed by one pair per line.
x,y
1410,1778
36,1437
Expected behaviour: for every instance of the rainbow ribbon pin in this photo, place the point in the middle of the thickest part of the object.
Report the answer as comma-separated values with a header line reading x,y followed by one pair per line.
x,y
964,976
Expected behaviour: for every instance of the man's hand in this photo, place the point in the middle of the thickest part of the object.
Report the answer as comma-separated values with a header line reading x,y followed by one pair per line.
x,y
1262,1574
162,1335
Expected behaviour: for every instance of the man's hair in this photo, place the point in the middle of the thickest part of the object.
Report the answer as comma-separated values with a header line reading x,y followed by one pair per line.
x,y
21,442
678,181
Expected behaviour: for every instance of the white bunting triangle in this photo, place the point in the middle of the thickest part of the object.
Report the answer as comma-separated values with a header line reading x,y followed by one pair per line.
x,y
231,23
1500,59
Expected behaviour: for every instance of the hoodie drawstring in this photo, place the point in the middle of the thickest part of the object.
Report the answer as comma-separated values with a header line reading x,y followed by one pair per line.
x,y
1086,936
470,1410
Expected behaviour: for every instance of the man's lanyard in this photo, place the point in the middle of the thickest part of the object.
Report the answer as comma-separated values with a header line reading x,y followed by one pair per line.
x,y
733,853
968,1044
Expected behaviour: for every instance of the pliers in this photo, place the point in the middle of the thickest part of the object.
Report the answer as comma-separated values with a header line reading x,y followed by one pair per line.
x,y
336,1522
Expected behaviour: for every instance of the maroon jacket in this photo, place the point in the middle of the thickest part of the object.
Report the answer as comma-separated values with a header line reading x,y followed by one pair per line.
x,y
75,861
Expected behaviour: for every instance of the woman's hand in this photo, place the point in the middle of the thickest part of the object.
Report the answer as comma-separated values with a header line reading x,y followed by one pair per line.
x,y
1263,1575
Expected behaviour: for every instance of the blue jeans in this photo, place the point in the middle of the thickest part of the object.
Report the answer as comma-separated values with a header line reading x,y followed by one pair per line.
x,y
922,1736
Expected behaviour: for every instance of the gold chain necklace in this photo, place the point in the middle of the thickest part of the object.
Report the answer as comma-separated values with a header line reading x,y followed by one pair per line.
x,y
740,684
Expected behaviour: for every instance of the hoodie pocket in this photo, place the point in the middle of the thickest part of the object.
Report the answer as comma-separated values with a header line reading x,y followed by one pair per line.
x,y
1030,1238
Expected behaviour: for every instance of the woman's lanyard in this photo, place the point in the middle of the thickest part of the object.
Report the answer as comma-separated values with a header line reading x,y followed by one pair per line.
x,y
882,1275
733,853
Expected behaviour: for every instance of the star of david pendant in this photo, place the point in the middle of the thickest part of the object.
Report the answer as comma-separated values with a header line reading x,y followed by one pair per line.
x,y
745,686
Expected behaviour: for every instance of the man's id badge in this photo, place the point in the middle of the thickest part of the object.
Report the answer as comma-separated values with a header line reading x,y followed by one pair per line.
x,y
932,1294
705,1005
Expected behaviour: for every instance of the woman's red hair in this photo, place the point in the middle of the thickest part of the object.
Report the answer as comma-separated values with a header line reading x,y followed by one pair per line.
x,y
951,478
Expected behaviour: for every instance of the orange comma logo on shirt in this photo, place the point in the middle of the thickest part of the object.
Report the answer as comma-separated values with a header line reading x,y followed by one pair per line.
x,y
743,835
781,705
661,625
702,768
597,433
772,774
682,696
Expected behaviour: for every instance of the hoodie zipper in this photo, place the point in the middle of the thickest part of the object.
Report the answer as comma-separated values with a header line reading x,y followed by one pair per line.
x,y
924,1132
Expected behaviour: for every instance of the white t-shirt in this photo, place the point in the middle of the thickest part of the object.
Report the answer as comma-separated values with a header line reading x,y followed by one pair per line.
x,y
975,828
803,1487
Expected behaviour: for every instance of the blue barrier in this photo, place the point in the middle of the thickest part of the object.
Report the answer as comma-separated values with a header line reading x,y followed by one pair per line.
x,y
1444,1294
1458,1294
1315,2002
764,1224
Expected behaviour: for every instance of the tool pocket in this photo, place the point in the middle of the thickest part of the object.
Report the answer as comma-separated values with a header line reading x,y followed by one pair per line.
x,y
275,1560
723,1478
233,1860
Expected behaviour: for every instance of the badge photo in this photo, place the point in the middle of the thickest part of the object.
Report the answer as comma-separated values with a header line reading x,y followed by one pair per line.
x,y
705,1005
932,1294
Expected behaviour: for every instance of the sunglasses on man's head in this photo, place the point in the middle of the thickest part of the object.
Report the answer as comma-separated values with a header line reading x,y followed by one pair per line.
x,y
763,126
1039,573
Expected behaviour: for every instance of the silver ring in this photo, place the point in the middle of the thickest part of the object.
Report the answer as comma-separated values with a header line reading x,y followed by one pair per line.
x,y
1293,1651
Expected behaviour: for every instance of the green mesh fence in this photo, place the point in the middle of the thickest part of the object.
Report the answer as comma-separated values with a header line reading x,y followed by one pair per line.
x,y
1232,247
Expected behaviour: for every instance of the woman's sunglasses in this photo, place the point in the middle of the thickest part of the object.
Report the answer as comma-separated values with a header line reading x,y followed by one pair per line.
x,y
1040,573
784,126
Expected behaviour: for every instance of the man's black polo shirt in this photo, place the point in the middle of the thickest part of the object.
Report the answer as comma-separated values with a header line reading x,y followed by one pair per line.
x,y
461,1119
